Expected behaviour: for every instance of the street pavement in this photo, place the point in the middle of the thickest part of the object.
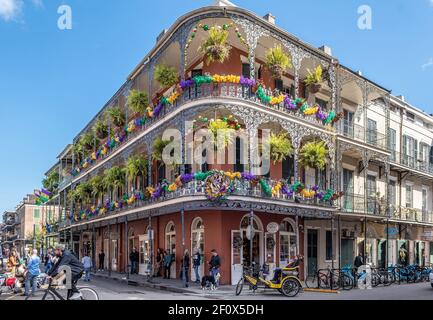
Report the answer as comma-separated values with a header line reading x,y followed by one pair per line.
x,y
114,290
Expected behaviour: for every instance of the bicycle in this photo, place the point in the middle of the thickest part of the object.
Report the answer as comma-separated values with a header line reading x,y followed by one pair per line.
x,y
325,279
51,293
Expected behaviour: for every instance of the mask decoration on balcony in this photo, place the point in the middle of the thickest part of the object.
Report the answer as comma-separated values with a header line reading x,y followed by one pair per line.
x,y
218,186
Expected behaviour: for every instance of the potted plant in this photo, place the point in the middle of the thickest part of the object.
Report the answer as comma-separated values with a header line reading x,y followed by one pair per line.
x,y
277,62
314,79
158,148
117,117
138,102
313,155
166,76
280,146
114,180
215,47
101,129
222,133
88,141
98,188
135,166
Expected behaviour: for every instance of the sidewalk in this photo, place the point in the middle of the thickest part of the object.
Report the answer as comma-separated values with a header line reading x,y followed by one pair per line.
x,y
172,285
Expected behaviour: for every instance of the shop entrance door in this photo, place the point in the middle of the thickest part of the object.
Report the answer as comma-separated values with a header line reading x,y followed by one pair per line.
x,y
144,255
347,252
114,256
312,266
381,253
237,267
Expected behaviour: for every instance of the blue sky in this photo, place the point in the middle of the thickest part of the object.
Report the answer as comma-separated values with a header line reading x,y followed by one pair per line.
x,y
53,82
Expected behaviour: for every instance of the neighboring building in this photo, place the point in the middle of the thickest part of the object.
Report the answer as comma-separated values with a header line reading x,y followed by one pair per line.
x,y
32,220
380,155
9,230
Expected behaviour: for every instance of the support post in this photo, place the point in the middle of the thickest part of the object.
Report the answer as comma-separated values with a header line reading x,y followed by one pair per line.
x,y
109,249
251,236
126,255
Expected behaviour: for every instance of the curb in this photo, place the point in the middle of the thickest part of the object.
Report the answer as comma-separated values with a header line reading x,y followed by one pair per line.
x,y
147,285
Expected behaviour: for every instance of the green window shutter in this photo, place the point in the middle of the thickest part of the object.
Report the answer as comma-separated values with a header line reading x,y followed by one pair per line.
x,y
405,145
36,214
415,149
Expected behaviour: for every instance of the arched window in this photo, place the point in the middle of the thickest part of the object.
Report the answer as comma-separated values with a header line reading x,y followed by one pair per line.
x,y
170,238
288,241
197,236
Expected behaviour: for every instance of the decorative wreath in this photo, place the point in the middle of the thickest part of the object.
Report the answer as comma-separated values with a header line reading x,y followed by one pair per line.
x,y
218,186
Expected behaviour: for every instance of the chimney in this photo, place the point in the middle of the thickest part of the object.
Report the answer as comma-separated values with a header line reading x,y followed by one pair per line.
x,y
401,97
270,18
161,35
223,3
326,50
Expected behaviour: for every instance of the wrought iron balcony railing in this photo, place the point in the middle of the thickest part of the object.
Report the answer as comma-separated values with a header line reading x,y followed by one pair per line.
x,y
198,188
411,162
360,133
411,214
203,92
357,203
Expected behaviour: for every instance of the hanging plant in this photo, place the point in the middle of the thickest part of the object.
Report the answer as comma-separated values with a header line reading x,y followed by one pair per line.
x,y
158,148
166,76
138,102
215,47
280,146
101,129
277,61
117,117
314,79
313,155
88,141
136,165
114,178
222,133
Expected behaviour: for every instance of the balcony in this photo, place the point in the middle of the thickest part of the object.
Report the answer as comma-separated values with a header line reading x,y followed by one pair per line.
x,y
229,91
356,203
198,188
411,214
411,162
65,182
357,132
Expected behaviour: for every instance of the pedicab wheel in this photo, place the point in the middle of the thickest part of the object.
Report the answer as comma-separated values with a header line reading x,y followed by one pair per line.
x,y
239,287
290,288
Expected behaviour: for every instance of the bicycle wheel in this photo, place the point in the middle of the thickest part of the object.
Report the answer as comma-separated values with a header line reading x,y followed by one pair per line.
x,y
336,281
48,296
386,281
290,288
239,287
311,282
375,280
346,282
88,294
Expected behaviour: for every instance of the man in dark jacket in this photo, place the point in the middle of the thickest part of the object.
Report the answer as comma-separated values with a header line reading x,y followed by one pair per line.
x,y
66,258
359,261
215,264
134,257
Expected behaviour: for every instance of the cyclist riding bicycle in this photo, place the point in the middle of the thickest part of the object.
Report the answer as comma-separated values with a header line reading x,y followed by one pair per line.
x,y
66,258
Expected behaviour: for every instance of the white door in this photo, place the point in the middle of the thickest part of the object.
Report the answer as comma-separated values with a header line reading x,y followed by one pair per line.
x,y
237,267
114,255
144,255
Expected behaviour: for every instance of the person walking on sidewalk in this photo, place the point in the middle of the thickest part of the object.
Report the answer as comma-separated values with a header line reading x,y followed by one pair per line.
x,y
196,262
133,257
87,263
49,260
33,272
215,264
186,263
167,264
101,260
159,262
